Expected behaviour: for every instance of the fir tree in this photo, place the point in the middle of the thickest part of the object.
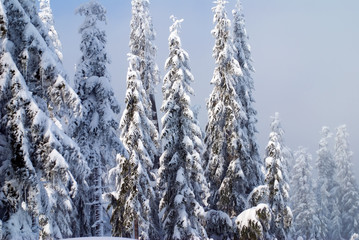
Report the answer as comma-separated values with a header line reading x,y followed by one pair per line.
x,y
348,188
135,197
251,161
38,185
302,198
228,183
141,44
96,133
47,18
222,130
253,223
327,188
277,181
182,181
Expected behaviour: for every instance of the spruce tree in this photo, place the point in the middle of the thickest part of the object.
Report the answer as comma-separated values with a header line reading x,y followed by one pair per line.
x,y
47,18
96,132
223,130
39,183
348,188
224,145
277,181
134,201
141,45
302,197
182,181
251,161
254,223
327,187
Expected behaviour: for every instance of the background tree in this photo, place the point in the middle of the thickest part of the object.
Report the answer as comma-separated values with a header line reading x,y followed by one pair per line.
x,y
135,197
182,181
348,188
302,197
277,181
96,132
327,187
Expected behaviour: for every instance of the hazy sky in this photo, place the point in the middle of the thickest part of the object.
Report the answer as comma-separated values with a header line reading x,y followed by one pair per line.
x,y
305,52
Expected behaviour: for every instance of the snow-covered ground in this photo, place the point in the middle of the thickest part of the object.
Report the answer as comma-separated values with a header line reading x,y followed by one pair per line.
x,y
98,238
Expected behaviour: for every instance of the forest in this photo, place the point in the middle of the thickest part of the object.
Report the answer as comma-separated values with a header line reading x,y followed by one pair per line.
x,y
76,163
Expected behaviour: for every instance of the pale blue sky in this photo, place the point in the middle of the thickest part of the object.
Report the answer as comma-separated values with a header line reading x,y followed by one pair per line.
x,y
306,58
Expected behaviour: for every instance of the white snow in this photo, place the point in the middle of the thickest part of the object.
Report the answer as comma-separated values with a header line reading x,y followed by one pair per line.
x,y
98,238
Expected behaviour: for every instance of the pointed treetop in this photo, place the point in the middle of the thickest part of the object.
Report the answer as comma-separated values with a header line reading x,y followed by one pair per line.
x,y
276,125
238,6
326,134
176,24
219,10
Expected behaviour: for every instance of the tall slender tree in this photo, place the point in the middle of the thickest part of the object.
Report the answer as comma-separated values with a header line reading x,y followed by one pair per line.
x,y
302,197
327,187
38,186
277,181
182,181
251,161
227,181
141,45
348,188
96,133
224,106
135,199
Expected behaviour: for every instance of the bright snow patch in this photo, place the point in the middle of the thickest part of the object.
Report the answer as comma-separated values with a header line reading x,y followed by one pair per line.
x,y
98,238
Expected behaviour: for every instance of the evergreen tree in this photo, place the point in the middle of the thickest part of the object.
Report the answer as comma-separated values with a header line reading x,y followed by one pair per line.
x,y
302,198
38,186
251,161
253,223
182,181
222,131
348,188
277,181
96,133
327,188
141,44
47,18
135,199
224,145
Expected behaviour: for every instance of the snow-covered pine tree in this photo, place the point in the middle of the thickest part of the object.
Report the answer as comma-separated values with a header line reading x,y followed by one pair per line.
x,y
302,197
134,201
96,133
348,188
355,236
141,45
38,184
47,18
277,181
251,161
327,187
182,182
253,223
224,145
